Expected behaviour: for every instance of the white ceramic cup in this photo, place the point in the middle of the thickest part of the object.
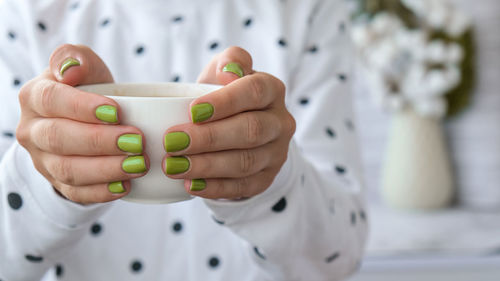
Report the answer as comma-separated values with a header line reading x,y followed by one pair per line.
x,y
153,108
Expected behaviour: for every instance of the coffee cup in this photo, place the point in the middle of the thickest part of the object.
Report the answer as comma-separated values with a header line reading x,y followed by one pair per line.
x,y
153,108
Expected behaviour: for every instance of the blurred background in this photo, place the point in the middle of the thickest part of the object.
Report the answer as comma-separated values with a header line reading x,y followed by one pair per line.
x,y
434,195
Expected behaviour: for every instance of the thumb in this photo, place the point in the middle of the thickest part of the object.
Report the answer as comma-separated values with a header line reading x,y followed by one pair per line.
x,y
227,66
78,65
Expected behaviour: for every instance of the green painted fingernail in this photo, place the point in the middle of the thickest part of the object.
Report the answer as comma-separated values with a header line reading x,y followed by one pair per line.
x,y
116,187
107,113
130,143
134,165
201,112
176,165
69,62
176,141
198,185
233,68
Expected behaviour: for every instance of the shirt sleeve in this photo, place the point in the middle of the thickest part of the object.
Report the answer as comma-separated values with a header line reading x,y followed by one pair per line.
x,y
37,226
310,224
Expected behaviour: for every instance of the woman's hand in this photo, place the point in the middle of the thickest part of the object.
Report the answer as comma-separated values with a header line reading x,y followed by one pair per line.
x,y
240,134
73,137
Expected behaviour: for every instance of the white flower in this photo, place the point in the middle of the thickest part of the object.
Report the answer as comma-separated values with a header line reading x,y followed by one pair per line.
x,y
455,53
459,23
435,107
436,51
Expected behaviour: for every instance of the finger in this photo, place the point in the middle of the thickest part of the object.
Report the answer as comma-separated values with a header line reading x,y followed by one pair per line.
x,y
97,193
254,92
223,164
79,170
231,64
242,131
230,188
67,137
78,65
48,98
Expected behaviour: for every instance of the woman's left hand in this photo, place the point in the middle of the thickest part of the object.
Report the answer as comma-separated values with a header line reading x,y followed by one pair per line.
x,y
239,136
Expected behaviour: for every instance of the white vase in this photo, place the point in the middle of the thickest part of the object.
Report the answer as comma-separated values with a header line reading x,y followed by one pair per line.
x,y
417,171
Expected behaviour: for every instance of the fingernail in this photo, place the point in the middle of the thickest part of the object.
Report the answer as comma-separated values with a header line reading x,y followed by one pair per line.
x,y
233,68
134,165
176,141
107,113
116,187
69,62
176,165
130,143
201,112
198,185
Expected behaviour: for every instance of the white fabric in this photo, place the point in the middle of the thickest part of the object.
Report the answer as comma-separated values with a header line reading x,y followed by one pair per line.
x,y
318,235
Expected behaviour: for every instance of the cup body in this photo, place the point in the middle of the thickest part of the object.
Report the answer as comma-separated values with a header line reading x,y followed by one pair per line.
x,y
153,108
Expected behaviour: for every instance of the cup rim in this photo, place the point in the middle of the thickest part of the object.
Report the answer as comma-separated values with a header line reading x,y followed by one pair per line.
x,y
213,87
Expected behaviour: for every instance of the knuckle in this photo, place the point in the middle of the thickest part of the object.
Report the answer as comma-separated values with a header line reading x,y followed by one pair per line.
x,y
248,161
46,95
254,129
95,141
210,137
49,133
290,125
22,134
24,95
63,171
257,90
240,188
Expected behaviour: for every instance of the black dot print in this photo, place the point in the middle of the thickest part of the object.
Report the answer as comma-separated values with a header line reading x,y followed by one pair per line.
x,y
304,101
35,259
280,206
353,218
213,262
217,221
11,35
258,253
331,258
349,125
340,169
362,215
282,42
330,132
16,82
140,50
248,22
302,179
177,227
176,78
74,6
177,19
136,266
105,22
96,229
59,270
342,77
214,45
42,26
8,134
313,49
15,200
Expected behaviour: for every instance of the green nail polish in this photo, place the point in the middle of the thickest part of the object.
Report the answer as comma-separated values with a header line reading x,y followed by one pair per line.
x,y
69,62
116,187
201,112
233,68
176,165
130,143
198,185
134,165
176,141
107,113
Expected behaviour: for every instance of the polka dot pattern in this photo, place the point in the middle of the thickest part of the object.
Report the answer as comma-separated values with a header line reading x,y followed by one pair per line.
x,y
330,132
15,200
333,257
96,229
353,218
342,77
105,22
341,170
139,50
282,42
214,45
59,270
258,253
16,82
136,266
177,19
177,227
213,262
11,35
34,259
313,49
248,22
217,221
176,78
303,101
8,134
42,26
280,206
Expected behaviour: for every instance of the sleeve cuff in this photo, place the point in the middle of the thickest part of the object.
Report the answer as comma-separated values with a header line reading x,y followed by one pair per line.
x,y
57,209
232,211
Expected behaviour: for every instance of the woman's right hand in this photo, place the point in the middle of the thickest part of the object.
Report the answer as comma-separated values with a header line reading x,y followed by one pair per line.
x,y
74,137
